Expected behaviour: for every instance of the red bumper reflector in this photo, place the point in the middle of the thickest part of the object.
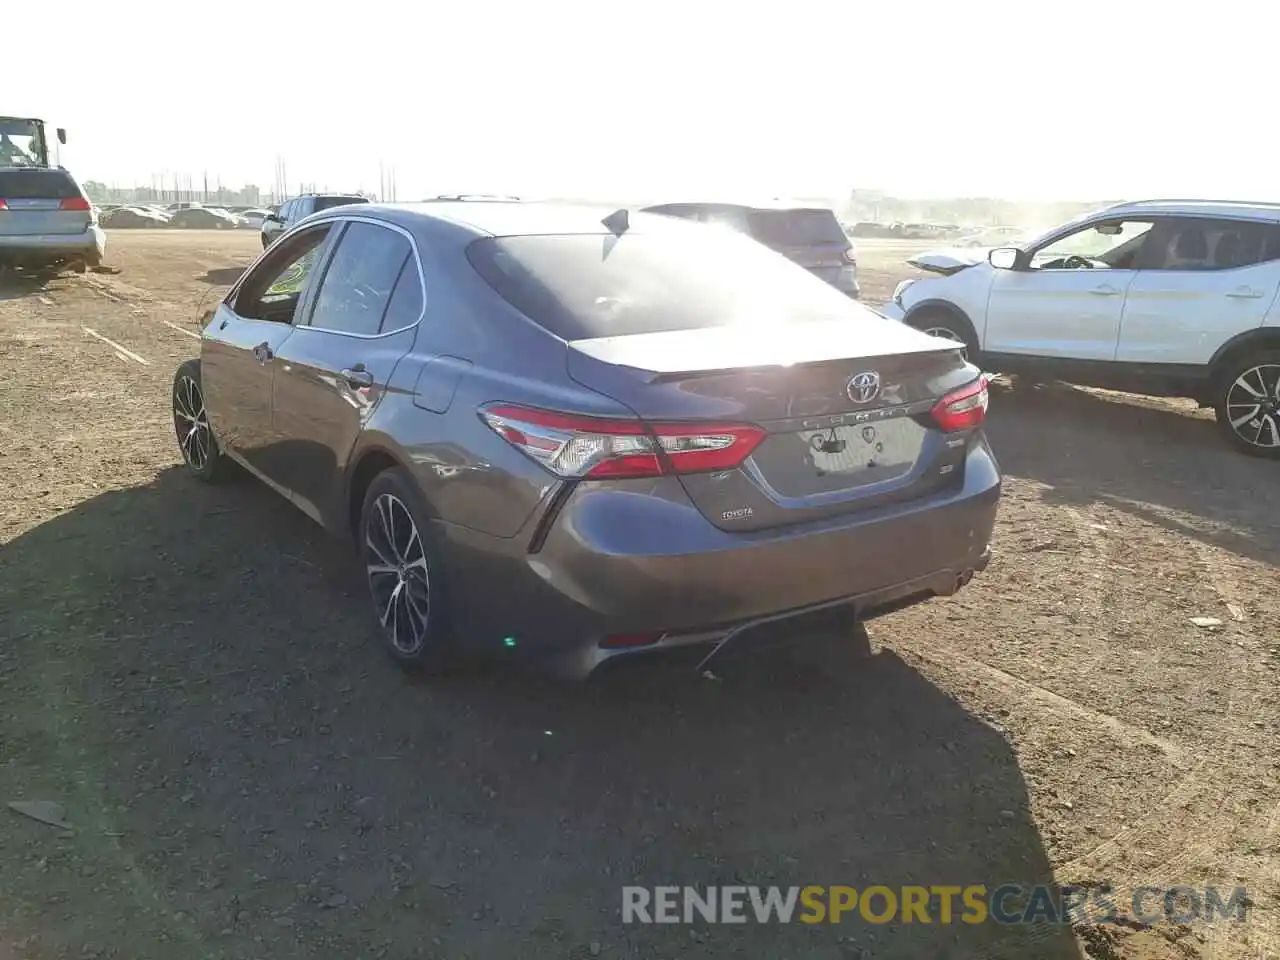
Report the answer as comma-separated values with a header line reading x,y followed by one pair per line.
x,y
617,640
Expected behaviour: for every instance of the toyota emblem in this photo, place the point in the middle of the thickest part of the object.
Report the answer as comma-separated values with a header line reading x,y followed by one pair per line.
x,y
863,387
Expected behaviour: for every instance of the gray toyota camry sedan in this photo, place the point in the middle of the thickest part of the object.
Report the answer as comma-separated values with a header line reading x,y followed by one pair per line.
x,y
576,434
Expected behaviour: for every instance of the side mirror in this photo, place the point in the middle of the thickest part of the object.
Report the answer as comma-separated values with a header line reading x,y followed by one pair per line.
x,y
62,135
1004,258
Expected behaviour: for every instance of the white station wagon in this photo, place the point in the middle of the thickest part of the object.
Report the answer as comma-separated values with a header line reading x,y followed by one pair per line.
x,y
1163,297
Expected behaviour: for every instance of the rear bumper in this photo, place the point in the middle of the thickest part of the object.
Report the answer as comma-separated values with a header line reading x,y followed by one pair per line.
x,y
41,248
847,283
629,561
853,291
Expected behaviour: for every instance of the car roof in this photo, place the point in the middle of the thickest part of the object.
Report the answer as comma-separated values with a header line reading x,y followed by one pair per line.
x,y
1230,209
497,218
774,204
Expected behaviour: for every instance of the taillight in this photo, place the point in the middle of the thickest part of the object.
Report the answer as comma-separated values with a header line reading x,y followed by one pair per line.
x,y
3,205
851,257
74,203
962,409
570,445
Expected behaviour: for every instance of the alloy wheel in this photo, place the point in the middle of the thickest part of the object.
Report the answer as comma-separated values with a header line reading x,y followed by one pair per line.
x,y
1253,406
191,423
396,564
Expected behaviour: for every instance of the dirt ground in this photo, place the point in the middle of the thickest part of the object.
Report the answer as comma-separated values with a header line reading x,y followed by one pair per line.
x,y
190,673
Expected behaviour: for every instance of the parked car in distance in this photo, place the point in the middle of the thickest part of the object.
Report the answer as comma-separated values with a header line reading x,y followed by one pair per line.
x,y
47,221
495,197
1162,297
251,218
291,211
811,236
133,218
203,218
673,443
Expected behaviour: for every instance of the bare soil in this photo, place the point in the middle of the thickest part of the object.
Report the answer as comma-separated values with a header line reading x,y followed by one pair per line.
x,y
190,672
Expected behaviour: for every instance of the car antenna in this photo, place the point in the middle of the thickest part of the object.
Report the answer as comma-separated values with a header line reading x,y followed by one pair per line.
x,y
618,222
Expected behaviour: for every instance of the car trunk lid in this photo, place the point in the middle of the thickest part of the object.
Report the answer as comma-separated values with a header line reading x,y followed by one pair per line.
x,y
35,201
845,408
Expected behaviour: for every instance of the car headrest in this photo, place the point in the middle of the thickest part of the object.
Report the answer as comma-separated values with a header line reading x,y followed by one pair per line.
x,y
1230,250
1191,245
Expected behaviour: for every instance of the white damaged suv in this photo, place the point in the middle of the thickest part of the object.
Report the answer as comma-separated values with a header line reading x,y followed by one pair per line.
x,y
1162,297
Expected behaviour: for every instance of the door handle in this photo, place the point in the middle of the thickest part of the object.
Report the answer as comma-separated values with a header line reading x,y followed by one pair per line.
x,y
358,376
1245,293
263,352
1105,290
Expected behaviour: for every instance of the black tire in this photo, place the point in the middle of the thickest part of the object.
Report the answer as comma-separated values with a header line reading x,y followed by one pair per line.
x,y
950,326
196,442
408,592
1236,384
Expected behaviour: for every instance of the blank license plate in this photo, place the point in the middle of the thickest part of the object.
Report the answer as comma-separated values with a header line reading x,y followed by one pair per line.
x,y
878,451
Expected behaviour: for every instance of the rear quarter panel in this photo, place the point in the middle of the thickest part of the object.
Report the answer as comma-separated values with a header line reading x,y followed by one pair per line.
x,y
472,348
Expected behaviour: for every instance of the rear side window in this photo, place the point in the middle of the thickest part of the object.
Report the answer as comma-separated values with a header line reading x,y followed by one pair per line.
x,y
795,228
324,203
1185,243
582,286
406,304
37,185
359,280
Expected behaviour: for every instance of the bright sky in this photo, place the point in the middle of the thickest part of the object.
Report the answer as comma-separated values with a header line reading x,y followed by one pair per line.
x,y
1035,100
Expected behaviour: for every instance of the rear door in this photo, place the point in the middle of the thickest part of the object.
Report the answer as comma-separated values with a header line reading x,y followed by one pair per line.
x,y
42,203
334,369
1200,283
238,357
812,237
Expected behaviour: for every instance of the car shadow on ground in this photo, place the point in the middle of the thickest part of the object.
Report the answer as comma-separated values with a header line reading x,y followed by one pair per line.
x,y
223,276
1151,461
14,285
190,670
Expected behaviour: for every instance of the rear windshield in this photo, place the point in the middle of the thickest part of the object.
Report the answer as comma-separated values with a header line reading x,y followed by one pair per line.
x,y
795,228
585,285
37,185
324,203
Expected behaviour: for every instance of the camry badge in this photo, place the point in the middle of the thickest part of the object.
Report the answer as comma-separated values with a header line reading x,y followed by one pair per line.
x,y
863,387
